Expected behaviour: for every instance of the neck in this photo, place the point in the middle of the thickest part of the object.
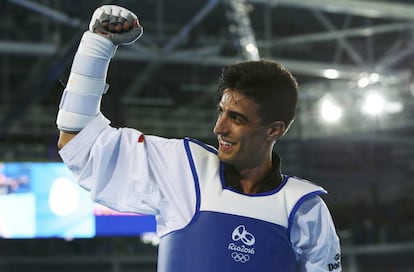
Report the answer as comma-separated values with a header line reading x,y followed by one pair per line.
x,y
263,177
251,179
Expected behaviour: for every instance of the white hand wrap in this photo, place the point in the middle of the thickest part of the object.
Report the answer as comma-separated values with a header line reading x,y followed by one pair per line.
x,y
81,99
115,14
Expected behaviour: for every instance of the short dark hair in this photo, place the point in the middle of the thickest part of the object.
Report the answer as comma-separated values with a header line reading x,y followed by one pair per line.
x,y
267,83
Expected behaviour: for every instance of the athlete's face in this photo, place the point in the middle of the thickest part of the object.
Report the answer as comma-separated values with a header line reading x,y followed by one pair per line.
x,y
242,139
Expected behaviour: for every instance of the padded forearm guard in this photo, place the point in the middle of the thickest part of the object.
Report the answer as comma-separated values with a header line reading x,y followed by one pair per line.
x,y
81,99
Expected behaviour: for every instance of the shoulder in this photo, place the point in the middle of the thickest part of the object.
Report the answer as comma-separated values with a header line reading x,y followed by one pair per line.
x,y
195,145
302,186
297,191
199,151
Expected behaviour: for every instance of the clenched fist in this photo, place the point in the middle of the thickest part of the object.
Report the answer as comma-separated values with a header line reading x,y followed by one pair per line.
x,y
118,24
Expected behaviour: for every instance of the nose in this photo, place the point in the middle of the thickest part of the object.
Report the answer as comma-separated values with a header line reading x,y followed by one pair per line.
x,y
221,125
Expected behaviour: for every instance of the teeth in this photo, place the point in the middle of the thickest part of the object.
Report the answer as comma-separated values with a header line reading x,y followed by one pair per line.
x,y
225,143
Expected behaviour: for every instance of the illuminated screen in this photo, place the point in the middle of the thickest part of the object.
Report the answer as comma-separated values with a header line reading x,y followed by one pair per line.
x,y
41,200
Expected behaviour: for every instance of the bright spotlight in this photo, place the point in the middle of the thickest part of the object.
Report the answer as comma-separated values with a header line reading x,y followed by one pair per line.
x,y
394,107
330,111
150,238
374,104
368,79
251,48
374,77
331,73
363,82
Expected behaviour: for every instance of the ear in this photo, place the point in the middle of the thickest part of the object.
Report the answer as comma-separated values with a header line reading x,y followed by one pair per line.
x,y
276,130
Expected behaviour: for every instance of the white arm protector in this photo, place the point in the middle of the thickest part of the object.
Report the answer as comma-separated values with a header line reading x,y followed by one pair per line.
x,y
81,99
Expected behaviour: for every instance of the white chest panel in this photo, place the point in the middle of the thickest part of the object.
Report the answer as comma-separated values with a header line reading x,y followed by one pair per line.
x,y
274,207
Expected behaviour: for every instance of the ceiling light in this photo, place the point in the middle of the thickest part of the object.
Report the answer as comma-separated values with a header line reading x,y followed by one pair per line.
x,y
331,73
374,104
331,112
363,82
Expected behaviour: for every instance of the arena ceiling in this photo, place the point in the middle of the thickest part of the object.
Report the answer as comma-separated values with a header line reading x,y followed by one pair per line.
x,y
165,83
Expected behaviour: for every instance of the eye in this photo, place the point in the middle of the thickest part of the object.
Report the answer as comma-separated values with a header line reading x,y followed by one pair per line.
x,y
237,118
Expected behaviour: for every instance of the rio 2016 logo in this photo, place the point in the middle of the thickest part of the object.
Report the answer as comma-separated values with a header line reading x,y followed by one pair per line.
x,y
241,253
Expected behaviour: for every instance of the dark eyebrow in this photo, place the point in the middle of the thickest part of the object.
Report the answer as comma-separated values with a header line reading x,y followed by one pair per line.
x,y
239,115
234,114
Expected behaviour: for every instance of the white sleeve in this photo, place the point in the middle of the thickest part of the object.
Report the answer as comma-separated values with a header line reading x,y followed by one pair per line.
x,y
130,172
314,238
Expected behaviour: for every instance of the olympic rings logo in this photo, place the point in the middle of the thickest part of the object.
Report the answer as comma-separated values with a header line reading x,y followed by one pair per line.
x,y
240,257
240,233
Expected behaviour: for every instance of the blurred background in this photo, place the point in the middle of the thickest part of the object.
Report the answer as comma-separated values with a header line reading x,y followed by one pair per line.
x,y
353,132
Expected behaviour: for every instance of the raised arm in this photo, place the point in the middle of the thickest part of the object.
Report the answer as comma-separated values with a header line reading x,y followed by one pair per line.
x,y
110,27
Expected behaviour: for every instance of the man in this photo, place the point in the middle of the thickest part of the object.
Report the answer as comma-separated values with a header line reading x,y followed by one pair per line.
x,y
217,210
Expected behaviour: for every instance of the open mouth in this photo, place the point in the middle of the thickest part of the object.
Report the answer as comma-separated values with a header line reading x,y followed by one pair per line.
x,y
225,145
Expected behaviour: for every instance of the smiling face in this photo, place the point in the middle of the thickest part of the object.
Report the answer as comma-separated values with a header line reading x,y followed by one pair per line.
x,y
244,141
